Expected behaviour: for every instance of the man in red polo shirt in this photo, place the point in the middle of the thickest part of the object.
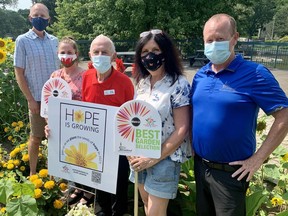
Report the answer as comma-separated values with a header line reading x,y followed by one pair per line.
x,y
105,85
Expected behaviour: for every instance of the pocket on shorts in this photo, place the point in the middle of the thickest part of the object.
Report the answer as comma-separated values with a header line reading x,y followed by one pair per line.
x,y
164,171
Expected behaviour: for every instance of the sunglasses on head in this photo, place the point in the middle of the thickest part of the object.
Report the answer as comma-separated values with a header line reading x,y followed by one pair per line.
x,y
153,31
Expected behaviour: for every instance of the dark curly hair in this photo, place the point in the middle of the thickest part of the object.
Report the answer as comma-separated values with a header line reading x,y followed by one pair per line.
x,y
172,60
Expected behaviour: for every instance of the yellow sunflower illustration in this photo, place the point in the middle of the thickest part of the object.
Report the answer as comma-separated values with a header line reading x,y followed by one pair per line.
x,y
2,44
79,116
81,157
2,56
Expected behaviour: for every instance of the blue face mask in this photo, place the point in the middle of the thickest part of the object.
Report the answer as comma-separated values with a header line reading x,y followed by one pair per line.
x,y
101,63
217,52
39,23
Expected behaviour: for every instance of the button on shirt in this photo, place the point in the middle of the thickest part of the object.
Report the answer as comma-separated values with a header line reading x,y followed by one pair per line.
x,y
38,57
165,98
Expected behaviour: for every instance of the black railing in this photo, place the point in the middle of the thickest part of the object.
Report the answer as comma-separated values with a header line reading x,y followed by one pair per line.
x,y
272,55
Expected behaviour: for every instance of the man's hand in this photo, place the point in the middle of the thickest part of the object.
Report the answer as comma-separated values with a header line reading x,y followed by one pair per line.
x,y
34,107
248,167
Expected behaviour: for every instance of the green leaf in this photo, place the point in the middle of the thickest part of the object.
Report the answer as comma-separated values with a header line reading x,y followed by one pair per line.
x,y
24,205
253,202
6,189
23,189
285,213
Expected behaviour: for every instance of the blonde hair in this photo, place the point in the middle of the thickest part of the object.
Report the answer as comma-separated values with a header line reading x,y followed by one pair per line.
x,y
71,41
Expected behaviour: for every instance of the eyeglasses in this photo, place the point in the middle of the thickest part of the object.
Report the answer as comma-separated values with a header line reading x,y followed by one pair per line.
x,y
153,31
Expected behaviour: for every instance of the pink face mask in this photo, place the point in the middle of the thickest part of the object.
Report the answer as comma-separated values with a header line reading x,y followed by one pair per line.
x,y
67,60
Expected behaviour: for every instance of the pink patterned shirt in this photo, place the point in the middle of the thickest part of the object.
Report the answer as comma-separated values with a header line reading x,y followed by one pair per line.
x,y
75,83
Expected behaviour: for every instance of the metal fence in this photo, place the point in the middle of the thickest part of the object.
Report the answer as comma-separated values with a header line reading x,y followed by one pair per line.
x,y
272,55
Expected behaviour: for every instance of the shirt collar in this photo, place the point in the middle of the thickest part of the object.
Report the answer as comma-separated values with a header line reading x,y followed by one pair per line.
x,y
31,34
234,64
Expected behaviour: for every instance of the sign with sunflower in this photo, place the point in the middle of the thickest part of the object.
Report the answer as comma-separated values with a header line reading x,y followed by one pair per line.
x,y
81,144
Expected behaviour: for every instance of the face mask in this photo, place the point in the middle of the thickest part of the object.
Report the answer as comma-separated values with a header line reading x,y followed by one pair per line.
x,y
101,63
217,52
67,60
39,23
152,61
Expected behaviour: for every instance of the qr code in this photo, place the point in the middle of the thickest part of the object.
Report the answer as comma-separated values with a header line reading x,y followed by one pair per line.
x,y
96,177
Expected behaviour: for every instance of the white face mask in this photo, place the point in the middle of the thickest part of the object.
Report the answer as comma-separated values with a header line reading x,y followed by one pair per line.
x,y
67,60
101,63
217,52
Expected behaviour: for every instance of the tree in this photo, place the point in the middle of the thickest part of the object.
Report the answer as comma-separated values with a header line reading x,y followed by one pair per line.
x,y
254,16
281,19
125,19
12,23
4,3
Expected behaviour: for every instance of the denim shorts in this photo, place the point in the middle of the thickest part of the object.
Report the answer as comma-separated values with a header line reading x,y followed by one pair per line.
x,y
161,180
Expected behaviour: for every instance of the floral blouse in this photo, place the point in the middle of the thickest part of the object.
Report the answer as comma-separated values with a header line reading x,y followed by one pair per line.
x,y
165,98
75,83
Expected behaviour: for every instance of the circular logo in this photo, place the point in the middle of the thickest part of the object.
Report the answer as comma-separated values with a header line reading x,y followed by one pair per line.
x,y
55,93
135,121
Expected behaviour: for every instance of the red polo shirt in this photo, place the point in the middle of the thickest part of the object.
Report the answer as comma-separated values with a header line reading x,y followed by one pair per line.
x,y
114,91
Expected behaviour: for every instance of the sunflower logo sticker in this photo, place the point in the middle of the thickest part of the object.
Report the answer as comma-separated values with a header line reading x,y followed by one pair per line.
x,y
79,116
138,130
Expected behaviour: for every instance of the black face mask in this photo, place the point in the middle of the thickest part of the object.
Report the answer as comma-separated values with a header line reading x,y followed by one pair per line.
x,y
152,61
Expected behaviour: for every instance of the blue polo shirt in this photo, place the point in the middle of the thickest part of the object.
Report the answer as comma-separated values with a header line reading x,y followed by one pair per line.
x,y
225,107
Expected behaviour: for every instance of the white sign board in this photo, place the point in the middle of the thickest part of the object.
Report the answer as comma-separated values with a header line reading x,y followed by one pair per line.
x,y
54,87
138,130
81,143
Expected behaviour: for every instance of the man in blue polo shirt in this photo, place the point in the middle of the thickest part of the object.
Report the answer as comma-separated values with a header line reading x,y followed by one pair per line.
x,y
226,96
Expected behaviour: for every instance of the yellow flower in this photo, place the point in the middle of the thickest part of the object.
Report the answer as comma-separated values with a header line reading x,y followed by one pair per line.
x,y
81,157
37,193
6,129
285,157
33,177
10,138
63,186
22,168
14,124
38,183
25,157
49,185
16,162
2,56
17,150
2,44
13,154
43,173
10,161
20,124
1,174
13,140
17,129
58,204
22,146
10,166
40,155
3,210
79,116
277,201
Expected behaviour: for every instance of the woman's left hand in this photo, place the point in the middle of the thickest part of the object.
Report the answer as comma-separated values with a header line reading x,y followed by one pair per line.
x,y
140,163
